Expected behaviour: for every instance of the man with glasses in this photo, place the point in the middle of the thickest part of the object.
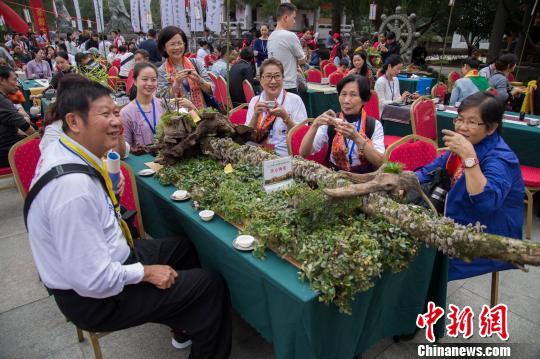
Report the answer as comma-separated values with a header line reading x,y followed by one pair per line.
x,y
242,70
284,45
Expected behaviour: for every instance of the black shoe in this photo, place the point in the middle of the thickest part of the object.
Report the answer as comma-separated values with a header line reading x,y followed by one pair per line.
x,y
180,340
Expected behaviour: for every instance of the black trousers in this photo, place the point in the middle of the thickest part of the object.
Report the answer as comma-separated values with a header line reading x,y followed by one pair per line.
x,y
198,302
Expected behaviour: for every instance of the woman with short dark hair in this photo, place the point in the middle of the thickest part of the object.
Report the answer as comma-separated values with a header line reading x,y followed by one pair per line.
x,y
355,141
486,184
182,76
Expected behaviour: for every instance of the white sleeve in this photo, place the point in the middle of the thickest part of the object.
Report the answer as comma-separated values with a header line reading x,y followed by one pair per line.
x,y
84,254
321,137
251,109
397,92
298,113
377,138
296,47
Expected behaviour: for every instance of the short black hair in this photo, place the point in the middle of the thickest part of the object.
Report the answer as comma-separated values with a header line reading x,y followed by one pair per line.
x,y
364,89
390,35
246,54
63,55
490,106
472,63
284,9
143,52
222,50
168,33
5,71
152,33
74,95
122,48
203,43
506,61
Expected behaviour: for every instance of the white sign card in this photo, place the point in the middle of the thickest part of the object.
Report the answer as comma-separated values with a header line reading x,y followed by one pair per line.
x,y
277,174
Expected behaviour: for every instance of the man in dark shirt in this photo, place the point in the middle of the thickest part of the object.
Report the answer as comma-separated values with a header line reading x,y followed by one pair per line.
x,y
150,45
242,70
11,120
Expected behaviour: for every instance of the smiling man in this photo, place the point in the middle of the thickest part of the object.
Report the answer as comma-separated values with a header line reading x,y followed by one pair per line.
x,y
101,279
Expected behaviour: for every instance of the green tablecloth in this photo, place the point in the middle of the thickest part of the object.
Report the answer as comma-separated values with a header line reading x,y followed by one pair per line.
x,y
409,84
26,86
269,296
317,102
523,140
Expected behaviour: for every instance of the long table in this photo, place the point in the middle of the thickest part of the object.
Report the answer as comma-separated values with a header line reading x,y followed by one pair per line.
x,y
284,310
523,140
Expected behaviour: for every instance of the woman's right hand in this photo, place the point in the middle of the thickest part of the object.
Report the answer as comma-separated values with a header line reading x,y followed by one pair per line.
x,y
405,95
260,107
326,118
181,75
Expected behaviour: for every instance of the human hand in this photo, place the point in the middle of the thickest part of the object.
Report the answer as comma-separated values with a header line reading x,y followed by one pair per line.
x,y
326,118
279,111
348,131
260,107
458,144
404,95
185,103
181,75
162,276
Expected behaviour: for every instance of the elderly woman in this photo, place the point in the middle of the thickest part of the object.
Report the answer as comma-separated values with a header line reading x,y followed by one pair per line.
x,y
275,111
486,183
38,68
355,141
186,77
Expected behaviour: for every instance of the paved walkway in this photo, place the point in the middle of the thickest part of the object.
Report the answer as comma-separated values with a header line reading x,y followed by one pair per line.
x,y
31,326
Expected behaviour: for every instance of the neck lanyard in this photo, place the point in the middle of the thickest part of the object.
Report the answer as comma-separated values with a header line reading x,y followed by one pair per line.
x,y
391,87
76,150
351,150
153,129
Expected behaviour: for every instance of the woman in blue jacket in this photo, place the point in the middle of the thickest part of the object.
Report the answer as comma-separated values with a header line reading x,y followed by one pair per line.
x,y
486,178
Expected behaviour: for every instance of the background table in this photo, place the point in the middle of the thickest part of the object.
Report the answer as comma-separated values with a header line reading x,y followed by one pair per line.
x,y
523,140
320,98
269,296
26,86
411,85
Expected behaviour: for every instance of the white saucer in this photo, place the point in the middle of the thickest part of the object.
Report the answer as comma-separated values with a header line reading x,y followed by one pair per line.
x,y
146,172
245,249
176,196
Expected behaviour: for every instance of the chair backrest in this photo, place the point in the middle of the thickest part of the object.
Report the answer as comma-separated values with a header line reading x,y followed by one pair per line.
x,y
212,77
221,93
511,77
248,90
294,140
209,60
129,81
439,91
324,63
116,63
238,114
454,76
412,151
335,78
130,197
113,77
372,106
314,75
23,159
424,118
328,69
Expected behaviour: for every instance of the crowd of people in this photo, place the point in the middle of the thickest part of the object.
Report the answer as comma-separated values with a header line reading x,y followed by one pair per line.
x,y
158,280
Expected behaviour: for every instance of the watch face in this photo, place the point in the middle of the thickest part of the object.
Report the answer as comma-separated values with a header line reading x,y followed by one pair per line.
x,y
469,162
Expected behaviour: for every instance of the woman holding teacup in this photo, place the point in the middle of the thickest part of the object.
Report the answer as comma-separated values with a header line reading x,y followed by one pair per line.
x,y
182,76
355,141
275,111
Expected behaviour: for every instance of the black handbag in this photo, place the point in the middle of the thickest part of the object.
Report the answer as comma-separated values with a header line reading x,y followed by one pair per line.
x,y
436,191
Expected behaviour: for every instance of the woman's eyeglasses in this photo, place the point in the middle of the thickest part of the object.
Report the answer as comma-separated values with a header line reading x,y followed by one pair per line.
x,y
470,124
269,77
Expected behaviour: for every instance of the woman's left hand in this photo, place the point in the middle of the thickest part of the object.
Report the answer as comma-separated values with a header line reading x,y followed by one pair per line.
x,y
458,144
283,114
348,131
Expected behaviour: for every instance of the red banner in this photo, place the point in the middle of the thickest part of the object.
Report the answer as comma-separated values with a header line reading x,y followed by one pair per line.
x,y
12,19
38,13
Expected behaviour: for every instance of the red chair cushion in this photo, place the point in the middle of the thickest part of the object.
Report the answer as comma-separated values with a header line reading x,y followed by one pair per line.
x,y
335,78
5,171
248,90
389,139
413,155
25,161
329,68
314,75
372,107
128,197
425,119
296,141
238,117
531,176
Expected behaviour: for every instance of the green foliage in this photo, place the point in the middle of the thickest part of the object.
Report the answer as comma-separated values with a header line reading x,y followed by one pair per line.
x,y
339,249
393,167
